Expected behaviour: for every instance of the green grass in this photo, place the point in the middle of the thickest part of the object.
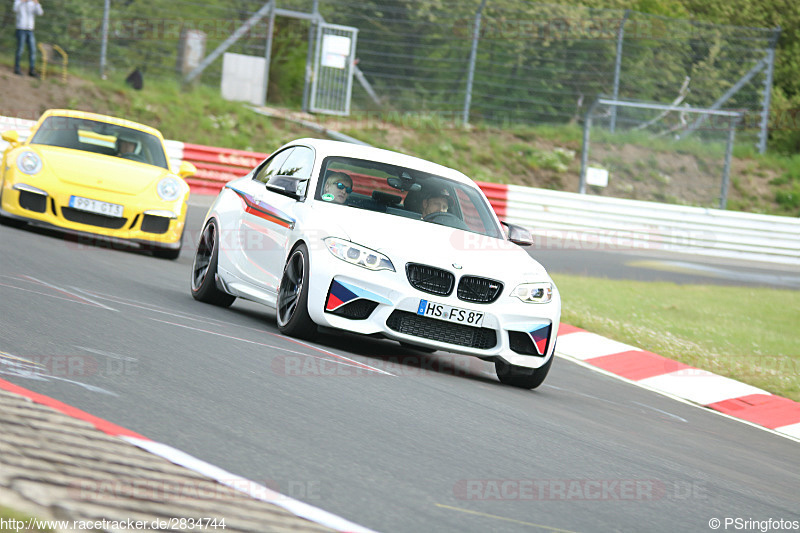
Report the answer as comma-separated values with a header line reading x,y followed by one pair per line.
x,y
747,334
7,514
196,114
543,155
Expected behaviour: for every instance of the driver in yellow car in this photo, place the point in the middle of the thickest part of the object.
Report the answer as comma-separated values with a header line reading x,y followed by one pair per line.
x,y
126,146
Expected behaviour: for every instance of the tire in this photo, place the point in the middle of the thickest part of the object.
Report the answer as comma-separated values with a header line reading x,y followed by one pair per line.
x,y
292,305
523,377
169,253
12,222
204,269
166,253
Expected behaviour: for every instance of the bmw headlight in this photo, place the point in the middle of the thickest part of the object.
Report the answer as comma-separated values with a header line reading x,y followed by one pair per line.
x,y
358,255
169,189
29,163
534,293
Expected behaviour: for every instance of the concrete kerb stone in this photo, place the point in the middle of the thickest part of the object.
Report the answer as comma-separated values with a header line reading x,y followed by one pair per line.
x,y
46,473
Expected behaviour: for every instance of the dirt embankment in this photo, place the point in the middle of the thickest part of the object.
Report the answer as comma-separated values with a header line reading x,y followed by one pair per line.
x,y
27,97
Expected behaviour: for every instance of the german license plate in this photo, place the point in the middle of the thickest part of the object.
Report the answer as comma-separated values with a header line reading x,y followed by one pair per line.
x,y
450,314
96,206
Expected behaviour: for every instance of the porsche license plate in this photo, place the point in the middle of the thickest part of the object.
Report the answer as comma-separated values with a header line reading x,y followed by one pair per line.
x,y
96,206
450,314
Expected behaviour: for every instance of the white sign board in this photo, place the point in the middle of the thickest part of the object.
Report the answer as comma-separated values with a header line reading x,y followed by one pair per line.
x,y
335,51
597,176
243,78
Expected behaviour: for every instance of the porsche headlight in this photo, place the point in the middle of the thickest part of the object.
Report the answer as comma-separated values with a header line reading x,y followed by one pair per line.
x,y
358,255
169,189
29,163
534,293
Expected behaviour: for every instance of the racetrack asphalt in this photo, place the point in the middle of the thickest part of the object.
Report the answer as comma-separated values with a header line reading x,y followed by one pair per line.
x,y
389,438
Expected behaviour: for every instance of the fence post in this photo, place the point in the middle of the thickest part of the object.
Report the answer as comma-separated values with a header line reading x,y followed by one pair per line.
x,y
763,131
617,66
312,32
726,169
268,52
227,43
587,125
476,29
104,41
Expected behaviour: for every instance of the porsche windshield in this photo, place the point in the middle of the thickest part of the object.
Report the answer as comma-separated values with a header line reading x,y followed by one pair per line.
x,y
407,193
101,138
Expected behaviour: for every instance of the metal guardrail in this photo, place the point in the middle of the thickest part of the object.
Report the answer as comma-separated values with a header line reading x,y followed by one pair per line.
x,y
586,222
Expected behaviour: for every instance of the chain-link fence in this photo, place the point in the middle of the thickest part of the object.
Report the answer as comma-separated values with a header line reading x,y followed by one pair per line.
x,y
648,155
483,60
538,63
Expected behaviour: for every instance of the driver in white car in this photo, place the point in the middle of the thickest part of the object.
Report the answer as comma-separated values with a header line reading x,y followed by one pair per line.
x,y
436,201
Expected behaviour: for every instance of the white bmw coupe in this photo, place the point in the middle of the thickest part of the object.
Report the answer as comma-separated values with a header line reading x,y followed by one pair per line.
x,y
379,243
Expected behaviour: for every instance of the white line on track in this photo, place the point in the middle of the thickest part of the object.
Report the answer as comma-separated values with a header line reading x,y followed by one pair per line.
x,y
660,411
110,355
16,366
48,295
68,293
206,320
350,362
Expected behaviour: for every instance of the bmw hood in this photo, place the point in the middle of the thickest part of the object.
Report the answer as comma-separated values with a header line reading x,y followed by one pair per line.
x,y
404,240
100,172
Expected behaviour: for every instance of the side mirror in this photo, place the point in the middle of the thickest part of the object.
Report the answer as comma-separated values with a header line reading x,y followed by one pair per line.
x,y
186,169
288,186
11,136
518,234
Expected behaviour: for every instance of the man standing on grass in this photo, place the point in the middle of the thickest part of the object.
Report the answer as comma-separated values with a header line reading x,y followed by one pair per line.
x,y
26,11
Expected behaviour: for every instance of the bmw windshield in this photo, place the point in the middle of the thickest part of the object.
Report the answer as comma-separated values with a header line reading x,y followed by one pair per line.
x,y
405,192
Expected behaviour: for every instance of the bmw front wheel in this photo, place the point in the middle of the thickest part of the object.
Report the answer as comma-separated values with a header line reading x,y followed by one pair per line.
x,y
292,311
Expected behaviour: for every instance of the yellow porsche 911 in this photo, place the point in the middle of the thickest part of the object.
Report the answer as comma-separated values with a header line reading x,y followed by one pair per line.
x,y
91,173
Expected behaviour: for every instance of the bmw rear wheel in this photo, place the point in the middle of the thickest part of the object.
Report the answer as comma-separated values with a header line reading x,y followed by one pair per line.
x,y
204,269
292,308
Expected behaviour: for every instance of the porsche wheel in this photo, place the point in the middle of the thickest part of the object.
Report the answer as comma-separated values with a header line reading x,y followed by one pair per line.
x,y
292,309
518,376
12,222
204,269
166,253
